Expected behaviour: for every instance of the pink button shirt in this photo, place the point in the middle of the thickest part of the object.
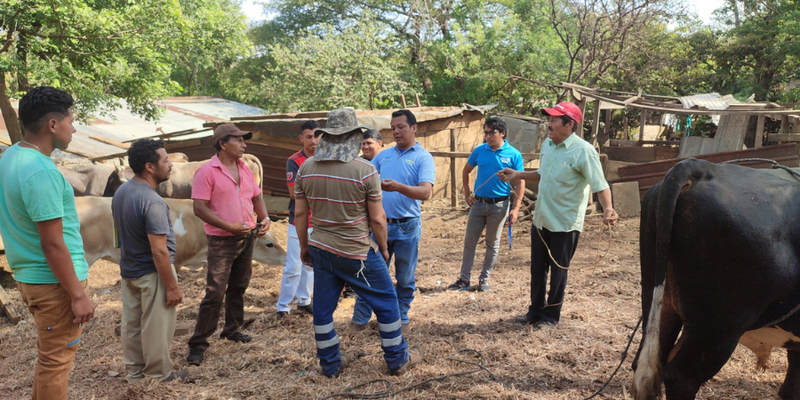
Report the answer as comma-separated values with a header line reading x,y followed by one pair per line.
x,y
214,182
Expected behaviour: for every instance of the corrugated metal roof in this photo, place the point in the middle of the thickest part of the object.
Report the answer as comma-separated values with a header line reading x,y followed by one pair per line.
x,y
183,113
711,101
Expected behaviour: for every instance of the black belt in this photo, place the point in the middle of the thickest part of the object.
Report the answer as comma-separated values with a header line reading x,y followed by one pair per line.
x,y
232,238
487,200
397,220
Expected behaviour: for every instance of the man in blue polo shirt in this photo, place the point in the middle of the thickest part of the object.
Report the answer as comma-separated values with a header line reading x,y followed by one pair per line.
x,y
489,205
407,176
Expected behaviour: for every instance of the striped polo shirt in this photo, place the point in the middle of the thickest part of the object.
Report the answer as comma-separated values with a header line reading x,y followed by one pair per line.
x,y
337,194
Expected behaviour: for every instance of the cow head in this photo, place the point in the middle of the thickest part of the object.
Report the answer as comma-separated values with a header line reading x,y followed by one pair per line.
x,y
120,175
267,251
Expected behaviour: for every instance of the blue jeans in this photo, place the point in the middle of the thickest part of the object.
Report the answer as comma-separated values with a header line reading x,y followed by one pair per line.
x,y
373,284
403,244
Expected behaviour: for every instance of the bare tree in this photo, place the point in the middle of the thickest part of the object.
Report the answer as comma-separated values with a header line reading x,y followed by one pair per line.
x,y
599,35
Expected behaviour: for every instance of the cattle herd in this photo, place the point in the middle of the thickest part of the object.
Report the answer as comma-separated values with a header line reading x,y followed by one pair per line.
x,y
95,184
719,248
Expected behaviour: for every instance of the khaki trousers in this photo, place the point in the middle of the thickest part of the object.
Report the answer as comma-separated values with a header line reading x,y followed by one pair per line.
x,y
57,340
148,326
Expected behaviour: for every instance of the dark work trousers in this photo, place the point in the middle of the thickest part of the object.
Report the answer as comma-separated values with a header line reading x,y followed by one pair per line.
x,y
230,265
562,245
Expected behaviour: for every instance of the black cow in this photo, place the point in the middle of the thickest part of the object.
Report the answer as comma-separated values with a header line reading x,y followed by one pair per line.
x,y
720,256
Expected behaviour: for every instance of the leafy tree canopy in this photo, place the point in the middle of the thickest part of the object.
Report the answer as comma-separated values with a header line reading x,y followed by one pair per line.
x,y
100,51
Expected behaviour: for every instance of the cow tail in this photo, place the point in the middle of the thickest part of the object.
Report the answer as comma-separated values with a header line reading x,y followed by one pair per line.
x,y
649,375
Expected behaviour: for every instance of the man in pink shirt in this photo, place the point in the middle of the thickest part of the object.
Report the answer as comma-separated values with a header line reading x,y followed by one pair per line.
x,y
225,197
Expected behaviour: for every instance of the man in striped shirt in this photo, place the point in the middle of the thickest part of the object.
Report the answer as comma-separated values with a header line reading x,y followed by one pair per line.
x,y
344,194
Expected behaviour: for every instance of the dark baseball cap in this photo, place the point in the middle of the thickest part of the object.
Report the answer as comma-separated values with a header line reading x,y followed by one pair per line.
x,y
225,130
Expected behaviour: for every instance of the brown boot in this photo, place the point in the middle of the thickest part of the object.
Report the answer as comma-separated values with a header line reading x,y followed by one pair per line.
x,y
357,328
415,354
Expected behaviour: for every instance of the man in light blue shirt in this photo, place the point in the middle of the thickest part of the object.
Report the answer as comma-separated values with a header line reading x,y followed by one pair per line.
x,y
568,167
407,176
489,205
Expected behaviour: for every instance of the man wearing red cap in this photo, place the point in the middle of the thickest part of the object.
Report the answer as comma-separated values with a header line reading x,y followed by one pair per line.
x,y
568,167
226,196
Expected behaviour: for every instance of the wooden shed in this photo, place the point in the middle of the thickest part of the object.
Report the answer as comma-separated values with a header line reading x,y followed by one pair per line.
x,y
443,131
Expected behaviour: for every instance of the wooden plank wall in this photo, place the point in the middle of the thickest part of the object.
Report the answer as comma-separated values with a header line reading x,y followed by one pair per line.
x,y
640,154
273,150
729,137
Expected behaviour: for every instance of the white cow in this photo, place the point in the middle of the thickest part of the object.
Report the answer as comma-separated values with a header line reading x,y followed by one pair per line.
x,y
179,185
89,179
191,243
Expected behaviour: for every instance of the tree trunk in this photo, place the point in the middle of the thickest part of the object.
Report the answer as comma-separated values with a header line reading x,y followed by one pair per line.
x,y
9,115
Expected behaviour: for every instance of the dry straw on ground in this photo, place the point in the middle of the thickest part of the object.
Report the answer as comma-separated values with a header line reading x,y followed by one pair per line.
x,y
568,362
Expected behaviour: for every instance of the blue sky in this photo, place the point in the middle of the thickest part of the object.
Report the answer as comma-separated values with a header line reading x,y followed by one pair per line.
x,y
703,8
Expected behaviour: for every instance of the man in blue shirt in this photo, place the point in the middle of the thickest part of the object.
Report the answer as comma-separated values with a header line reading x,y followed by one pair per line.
x,y
407,176
489,205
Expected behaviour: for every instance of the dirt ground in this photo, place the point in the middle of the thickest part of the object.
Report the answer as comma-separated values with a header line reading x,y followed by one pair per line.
x,y
570,361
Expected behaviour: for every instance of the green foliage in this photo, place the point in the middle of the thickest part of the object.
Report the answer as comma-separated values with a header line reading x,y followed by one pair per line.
x,y
212,38
327,69
99,51
758,51
495,55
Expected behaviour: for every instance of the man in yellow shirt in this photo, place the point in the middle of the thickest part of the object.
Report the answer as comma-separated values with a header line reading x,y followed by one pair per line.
x,y
568,167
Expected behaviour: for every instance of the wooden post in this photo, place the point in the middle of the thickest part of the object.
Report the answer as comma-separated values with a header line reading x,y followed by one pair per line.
x,y
784,124
453,178
624,126
581,103
416,96
596,122
8,307
760,131
403,100
641,127
607,128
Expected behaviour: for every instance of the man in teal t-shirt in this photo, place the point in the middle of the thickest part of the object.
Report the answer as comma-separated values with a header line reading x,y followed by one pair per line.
x,y
41,233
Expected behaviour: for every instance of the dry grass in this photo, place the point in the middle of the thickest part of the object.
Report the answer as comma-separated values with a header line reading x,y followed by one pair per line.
x,y
567,362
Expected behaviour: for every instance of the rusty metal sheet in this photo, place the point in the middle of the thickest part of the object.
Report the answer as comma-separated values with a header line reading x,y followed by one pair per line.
x,y
769,152
648,174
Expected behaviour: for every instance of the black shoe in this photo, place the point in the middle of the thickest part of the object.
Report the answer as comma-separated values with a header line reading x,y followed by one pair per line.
x,y
182,376
281,315
460,285
309,308
525,319
195,356
349,293
240,337
545,325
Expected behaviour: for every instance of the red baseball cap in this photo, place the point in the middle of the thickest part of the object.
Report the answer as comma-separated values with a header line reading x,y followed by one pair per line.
x,y
572,111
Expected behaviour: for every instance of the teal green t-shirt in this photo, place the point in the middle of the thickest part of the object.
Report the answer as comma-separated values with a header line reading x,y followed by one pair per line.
x,y
32,190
